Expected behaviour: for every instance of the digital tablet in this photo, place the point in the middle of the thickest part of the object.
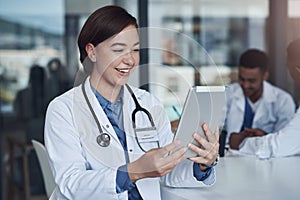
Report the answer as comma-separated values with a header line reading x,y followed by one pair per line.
x,y
202,104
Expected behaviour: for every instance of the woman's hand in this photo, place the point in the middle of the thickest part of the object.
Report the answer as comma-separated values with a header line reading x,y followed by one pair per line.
x,y
208,153
156,162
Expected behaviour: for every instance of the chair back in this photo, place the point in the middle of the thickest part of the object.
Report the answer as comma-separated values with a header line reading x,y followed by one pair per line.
x,y
44,163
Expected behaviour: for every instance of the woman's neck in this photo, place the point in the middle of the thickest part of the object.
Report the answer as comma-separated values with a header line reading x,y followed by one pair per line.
x,y
108,91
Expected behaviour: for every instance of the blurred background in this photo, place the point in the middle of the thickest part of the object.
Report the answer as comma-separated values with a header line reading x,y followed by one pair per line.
x,y
191,42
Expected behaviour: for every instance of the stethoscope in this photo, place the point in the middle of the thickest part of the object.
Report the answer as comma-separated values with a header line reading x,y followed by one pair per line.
x,y
103,139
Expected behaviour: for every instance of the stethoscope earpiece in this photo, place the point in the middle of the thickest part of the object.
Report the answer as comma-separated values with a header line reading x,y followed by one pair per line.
x,y
103,139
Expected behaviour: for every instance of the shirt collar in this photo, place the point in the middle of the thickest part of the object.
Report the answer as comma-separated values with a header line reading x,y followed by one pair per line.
x,y
104,102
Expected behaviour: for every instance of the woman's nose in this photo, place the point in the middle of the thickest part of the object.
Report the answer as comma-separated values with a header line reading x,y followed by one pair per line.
x,y
129,59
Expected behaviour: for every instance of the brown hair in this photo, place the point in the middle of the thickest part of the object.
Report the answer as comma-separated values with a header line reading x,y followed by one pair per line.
x,y
101,25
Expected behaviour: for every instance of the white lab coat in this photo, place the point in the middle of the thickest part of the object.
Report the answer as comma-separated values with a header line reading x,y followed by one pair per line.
x,y
85,170
285,142
275,110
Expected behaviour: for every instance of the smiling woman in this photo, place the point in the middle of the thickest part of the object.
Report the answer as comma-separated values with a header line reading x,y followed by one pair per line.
x,y
113,60
116,138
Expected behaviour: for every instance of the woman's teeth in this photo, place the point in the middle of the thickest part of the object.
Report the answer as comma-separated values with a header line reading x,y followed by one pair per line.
x,y
123,70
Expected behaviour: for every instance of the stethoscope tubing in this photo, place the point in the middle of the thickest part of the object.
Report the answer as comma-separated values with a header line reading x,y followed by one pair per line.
x,y
103,139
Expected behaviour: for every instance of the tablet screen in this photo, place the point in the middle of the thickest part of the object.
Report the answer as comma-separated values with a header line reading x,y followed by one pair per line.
x,y
203,104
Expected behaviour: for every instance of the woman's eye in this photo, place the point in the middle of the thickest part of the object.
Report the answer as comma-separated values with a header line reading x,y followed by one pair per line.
x,y
136,50
118,50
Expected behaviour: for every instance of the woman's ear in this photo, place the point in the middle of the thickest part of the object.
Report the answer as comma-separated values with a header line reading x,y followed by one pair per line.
x,y
90,49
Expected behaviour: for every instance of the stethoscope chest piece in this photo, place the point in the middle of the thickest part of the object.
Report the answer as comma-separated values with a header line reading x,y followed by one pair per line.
x,y
103,139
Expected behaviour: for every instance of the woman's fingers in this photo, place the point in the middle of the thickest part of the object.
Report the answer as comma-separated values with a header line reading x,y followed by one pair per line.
x,y
164,151
209,146
210,136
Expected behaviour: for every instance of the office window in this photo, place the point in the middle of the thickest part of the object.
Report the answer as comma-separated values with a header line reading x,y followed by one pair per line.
x,y
198,42
31,33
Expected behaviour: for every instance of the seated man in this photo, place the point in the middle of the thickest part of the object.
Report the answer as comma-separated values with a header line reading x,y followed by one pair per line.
x,y
285,142
254,106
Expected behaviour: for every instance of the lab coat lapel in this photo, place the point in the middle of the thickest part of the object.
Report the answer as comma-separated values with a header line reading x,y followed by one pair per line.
x,y
128,108
267,99
239,99
148,188
112,155
104,121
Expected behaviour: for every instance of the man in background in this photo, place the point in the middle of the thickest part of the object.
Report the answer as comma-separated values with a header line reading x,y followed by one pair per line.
x,y
285,142
254,106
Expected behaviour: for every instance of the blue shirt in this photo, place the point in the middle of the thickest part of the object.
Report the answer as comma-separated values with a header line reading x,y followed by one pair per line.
x,y
114,113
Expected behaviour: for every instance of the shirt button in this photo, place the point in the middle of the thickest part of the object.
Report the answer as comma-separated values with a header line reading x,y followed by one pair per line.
x,y
107,125
130,150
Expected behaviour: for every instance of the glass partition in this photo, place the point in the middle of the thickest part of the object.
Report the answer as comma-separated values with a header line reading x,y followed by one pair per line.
x,y
200,42
31,33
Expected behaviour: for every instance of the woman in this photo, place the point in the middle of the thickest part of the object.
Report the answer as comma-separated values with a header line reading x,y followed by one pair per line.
x,y
98,146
